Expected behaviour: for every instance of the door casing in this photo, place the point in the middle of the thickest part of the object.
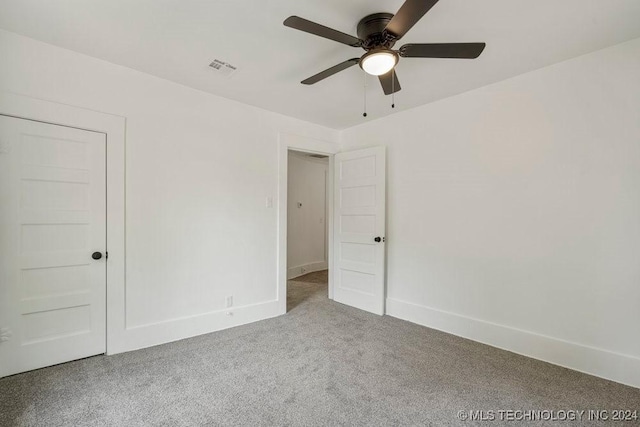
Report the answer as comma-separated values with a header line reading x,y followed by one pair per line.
x,y
113,126
288,142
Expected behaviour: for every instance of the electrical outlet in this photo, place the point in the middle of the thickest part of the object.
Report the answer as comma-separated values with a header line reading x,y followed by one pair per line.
x,y
229,301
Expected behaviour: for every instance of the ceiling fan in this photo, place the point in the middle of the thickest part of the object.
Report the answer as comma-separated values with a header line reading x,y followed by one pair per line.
x,y
377,34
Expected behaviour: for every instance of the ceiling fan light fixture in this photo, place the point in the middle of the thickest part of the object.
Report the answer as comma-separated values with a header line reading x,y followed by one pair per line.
x,y
379,61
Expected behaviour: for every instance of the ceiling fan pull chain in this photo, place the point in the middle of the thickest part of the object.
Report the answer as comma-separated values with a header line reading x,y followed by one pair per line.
x,y
365,94
393,89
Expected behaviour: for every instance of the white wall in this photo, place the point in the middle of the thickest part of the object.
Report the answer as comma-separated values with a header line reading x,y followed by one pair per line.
x,y
513,210
514,213
198,171
306,225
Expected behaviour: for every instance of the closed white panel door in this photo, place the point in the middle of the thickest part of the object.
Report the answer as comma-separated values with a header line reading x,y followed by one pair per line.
x,y
52,219
359,225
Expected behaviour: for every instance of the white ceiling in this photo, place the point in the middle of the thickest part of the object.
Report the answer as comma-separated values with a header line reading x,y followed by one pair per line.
x,y
177,39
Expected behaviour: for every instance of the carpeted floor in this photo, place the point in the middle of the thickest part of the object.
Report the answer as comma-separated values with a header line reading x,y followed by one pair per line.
x,y
323,363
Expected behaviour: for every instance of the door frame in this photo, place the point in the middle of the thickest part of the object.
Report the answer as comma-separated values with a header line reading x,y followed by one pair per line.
x,y
288,142
113,126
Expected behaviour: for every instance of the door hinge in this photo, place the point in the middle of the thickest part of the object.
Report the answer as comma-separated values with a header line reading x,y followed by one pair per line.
x,y
5,334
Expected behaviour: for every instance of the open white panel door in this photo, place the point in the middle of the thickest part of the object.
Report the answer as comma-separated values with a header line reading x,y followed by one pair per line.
x,y
359,226
52,243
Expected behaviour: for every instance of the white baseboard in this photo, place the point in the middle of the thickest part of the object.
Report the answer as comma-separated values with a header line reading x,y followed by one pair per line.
x,y
300,270
137,337
606,364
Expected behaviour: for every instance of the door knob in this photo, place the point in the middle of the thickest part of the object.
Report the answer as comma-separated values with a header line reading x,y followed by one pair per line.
x,y
96,255
378,239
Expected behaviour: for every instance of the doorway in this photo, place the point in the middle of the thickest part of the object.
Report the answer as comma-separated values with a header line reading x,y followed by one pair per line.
x,y
356,222
307,227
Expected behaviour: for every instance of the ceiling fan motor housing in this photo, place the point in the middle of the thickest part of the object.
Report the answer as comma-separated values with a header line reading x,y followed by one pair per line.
x,y
371,29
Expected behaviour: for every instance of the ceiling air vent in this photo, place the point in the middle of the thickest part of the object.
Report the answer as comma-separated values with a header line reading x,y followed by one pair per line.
x,y
222,68
318,156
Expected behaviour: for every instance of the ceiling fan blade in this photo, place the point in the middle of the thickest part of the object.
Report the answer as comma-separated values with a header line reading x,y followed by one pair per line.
x,y
322,31
410,13
330,71
389,82
442,50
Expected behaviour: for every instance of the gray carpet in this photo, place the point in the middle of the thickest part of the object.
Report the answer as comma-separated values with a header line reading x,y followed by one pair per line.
x,y
323,363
